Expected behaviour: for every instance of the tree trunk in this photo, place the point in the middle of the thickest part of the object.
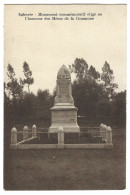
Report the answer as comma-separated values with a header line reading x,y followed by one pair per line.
x,y
28,89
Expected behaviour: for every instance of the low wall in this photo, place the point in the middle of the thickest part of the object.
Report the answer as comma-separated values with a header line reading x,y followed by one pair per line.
x,y
58,146
105,132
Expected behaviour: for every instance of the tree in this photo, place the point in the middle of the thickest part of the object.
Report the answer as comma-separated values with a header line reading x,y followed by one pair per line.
x,y
27,108
87,96
28,75
88,93
10,72
13,93
93,74
119,108
83,72
108,78
43,103
80,68
13,86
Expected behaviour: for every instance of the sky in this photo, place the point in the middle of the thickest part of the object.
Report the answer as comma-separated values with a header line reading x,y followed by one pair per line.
x,y
48,44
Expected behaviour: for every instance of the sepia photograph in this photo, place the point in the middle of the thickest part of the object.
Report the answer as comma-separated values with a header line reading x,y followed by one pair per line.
x,y
65,96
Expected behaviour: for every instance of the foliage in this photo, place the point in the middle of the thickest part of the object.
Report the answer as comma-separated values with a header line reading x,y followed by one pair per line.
x,y
28,76
119,108
13,86
108,78
91,97
88,98
93,74
10,72
80,68
95,99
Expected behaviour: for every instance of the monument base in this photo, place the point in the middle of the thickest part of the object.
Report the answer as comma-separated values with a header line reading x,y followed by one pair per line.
x,y
67,128
64,116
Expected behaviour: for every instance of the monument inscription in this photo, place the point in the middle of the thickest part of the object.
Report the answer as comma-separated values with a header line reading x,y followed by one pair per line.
x,y
67,116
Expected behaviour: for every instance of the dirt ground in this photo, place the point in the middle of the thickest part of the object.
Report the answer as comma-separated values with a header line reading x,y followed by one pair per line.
x,y
66,169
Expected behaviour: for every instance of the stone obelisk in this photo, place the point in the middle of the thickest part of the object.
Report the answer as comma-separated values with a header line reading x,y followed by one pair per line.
x,y
64,113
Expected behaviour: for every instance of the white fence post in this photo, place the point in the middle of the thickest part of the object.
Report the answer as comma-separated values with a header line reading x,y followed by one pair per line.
x,y
101,129
13,138
109,137
104,133
34,131
60,137
25,133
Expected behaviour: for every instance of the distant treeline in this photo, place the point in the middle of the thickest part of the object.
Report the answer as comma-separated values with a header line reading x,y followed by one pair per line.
x,y
93,92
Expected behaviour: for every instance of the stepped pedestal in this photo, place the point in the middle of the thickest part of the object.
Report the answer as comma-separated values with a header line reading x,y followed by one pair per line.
x,y
64,113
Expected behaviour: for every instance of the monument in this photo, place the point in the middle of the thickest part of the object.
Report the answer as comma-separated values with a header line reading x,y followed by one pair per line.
x,y
64,113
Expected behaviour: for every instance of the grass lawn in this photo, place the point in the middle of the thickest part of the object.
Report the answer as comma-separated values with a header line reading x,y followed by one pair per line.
x,y
66,169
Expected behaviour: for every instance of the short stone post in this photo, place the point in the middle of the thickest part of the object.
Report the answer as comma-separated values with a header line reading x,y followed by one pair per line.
x,y
34,131
25,133
60,138
101,129
109,137
104,133
13,138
